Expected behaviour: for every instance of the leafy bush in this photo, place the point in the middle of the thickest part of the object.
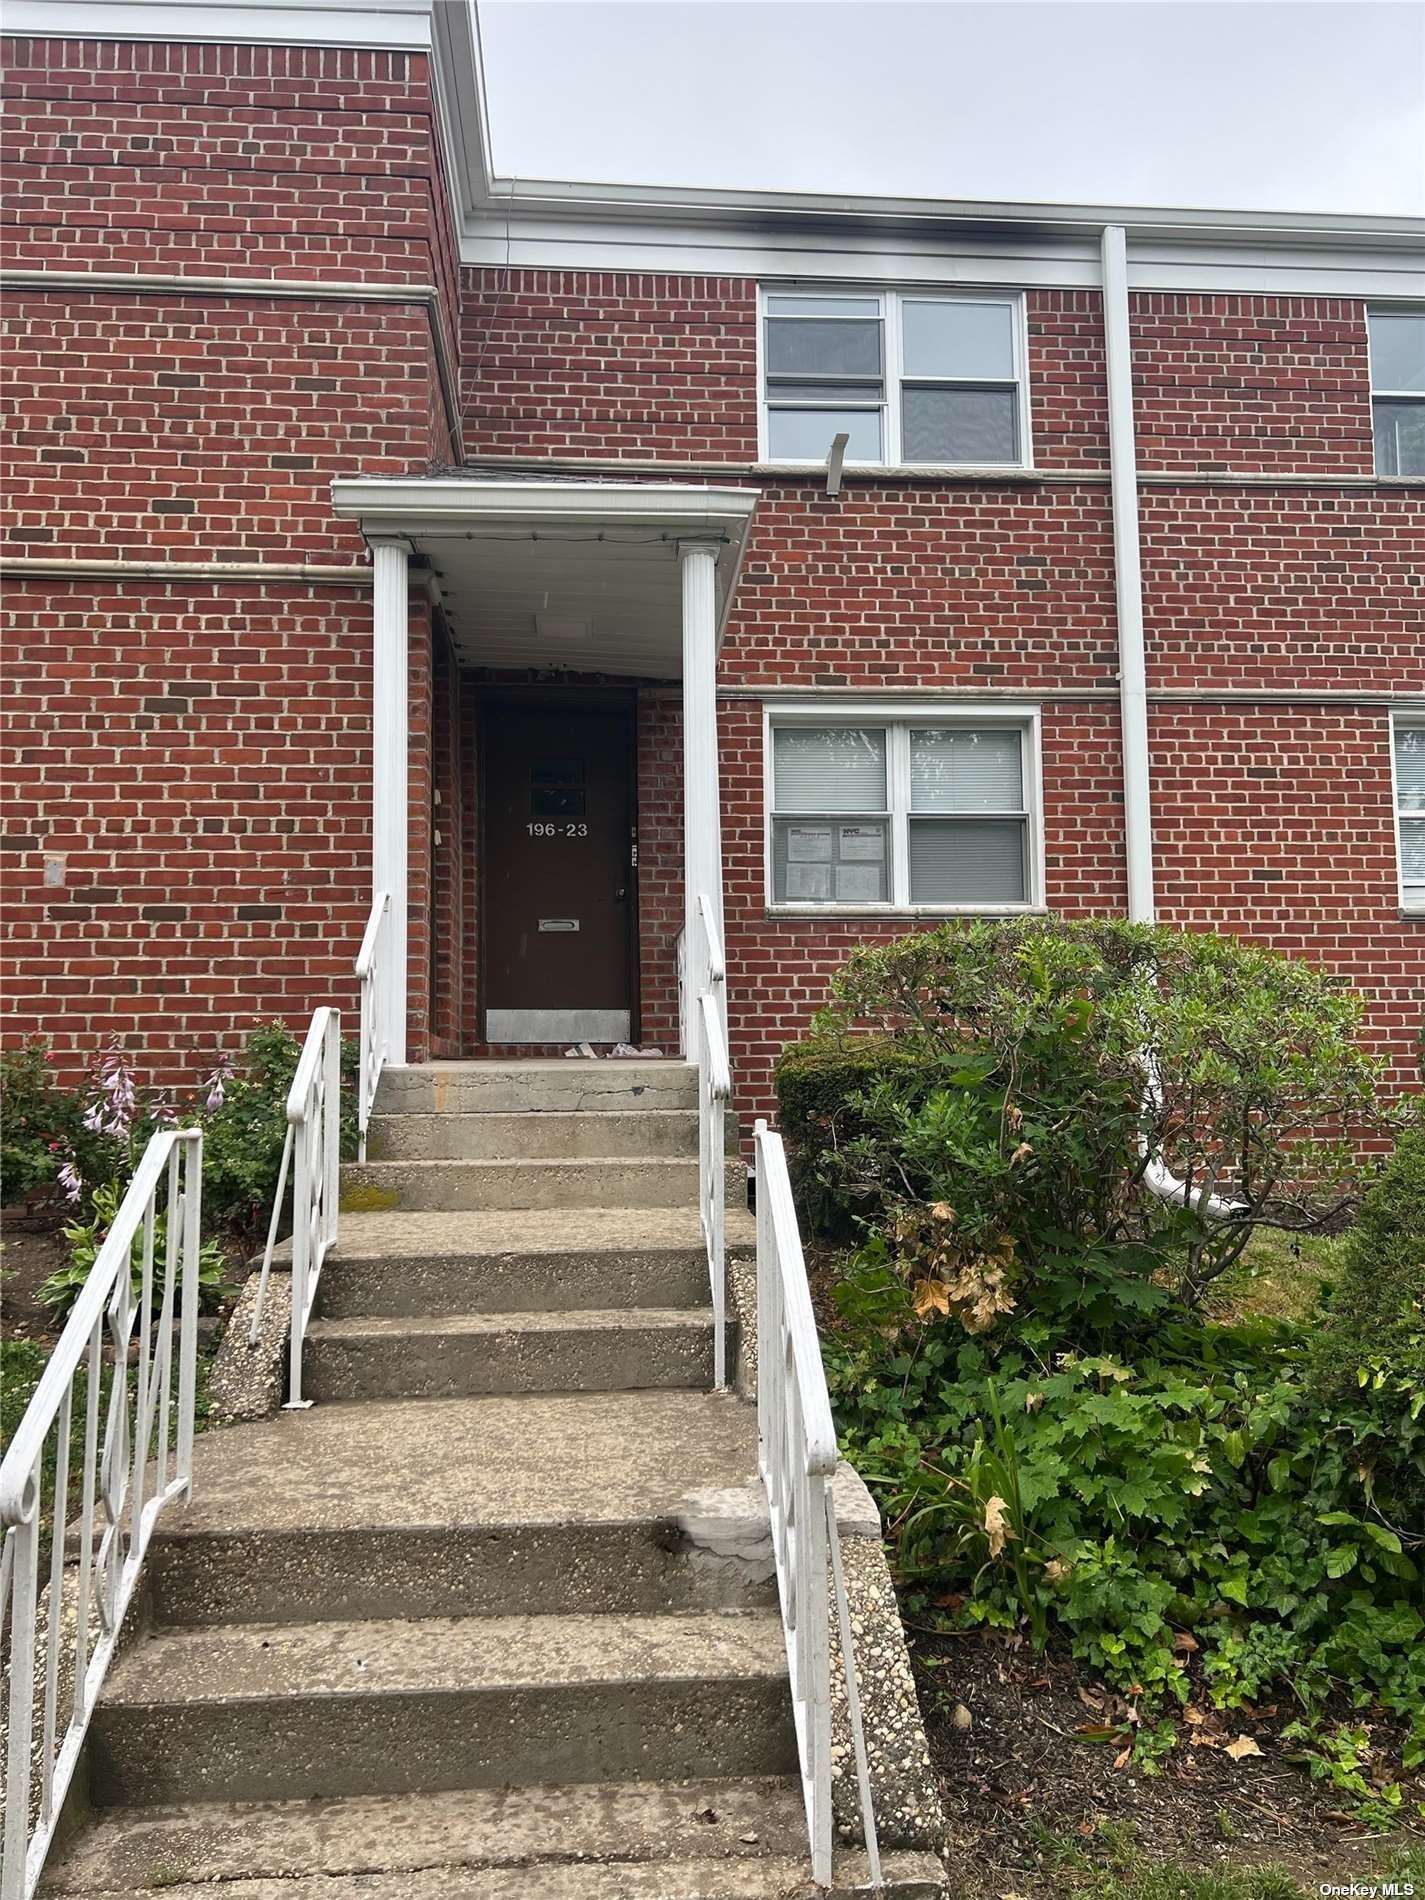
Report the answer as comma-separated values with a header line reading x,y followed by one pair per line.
x,y
1061,1058
1368,1348
245,1126
91,1140
62,1288
820,1087
1193,1504
1022,1367
41,1124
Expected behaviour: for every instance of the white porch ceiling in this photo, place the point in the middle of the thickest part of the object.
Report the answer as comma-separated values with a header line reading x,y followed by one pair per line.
x,y
603,556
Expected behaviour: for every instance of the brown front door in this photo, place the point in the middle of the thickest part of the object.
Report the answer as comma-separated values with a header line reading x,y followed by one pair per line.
x,y
557,897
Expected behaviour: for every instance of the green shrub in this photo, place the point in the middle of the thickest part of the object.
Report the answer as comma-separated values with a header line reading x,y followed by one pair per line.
x,y
1187,1513
245,1127
41,1124
62,1288
1368,1347
1067,1055
1375,1311
819,1090
1061,1441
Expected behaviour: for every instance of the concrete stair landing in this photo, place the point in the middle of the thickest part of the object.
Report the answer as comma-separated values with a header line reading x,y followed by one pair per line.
x,y
496,1616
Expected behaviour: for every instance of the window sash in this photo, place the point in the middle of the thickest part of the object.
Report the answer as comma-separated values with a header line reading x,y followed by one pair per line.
x,y
903,811
887,399
1409,819
1388,450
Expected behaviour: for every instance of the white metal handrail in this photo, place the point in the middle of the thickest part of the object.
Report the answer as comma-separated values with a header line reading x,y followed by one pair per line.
x,y
798,1457
314,1137
370,973
706,978
314,1121
143,1461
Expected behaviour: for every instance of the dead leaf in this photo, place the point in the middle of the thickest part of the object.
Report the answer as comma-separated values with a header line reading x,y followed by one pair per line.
x,y
1122,1759
942,1210
1185,1644
1091,1701
1194,1717
1241,1748
930,1296
962,1717
1021,1153
1033,1401
997,1525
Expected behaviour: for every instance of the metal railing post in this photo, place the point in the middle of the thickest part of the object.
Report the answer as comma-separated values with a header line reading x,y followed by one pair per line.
x,y
797,1455
124,1485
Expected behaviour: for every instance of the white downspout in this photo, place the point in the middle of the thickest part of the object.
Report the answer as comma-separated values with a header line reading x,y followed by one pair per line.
x,y
1132,666
390,775
1128,579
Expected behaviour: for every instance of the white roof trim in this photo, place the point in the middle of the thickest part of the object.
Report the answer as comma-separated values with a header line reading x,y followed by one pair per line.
x,y
552,223
395,25
418,505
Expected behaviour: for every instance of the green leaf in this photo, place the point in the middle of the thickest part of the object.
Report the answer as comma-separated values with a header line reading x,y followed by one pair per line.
x,y
1386,1539
1341,1558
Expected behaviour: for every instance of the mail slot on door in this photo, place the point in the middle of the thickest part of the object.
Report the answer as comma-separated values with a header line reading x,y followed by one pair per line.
x,y
559,923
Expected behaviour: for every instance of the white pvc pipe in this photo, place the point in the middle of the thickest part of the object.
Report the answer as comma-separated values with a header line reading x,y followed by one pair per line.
x,y
1132,663
390,766
1128,578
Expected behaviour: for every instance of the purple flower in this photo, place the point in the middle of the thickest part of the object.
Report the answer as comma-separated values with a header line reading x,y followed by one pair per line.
x,y
217,1083
69,1180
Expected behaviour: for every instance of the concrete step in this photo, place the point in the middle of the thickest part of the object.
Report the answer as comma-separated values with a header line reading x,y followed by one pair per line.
x,y
697,1840
553,1134
467,1507
495,1262
258,1711
559,1084
454,1186
626,1350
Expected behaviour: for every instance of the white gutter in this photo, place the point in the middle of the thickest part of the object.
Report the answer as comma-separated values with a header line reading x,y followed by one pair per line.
x,y
1133,672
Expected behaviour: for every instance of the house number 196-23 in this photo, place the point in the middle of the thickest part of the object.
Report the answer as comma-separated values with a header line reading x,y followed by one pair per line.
x,y
557,831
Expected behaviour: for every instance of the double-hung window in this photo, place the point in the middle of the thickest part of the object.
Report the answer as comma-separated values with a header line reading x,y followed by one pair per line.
x,y
909,377
1398,390
906,813
1408,738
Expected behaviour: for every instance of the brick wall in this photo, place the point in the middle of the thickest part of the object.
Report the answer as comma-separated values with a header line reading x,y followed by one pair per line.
x,y
932,583
1251,384
197,754
602,364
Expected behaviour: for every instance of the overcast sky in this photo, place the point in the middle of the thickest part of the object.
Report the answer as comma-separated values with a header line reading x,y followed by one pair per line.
x,y
1294,105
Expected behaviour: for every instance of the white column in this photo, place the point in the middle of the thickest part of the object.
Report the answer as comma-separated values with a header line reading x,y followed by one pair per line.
x,y
390,779
1128,580
702,829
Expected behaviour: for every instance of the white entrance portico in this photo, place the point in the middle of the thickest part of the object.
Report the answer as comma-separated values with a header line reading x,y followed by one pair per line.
x,y
607,578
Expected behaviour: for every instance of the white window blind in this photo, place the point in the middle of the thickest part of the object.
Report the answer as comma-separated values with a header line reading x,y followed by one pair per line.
x,y
830,768
906,814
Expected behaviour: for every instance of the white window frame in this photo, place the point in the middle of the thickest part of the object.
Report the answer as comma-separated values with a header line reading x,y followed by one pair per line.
x,y
890,303
1389,395
1403,722
897,719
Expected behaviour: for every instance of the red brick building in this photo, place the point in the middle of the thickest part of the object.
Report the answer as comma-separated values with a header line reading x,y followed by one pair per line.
x,y
376,528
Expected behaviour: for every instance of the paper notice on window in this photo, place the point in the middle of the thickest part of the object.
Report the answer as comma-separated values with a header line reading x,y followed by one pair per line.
x,y
858,884
862,844
809,844
809,883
